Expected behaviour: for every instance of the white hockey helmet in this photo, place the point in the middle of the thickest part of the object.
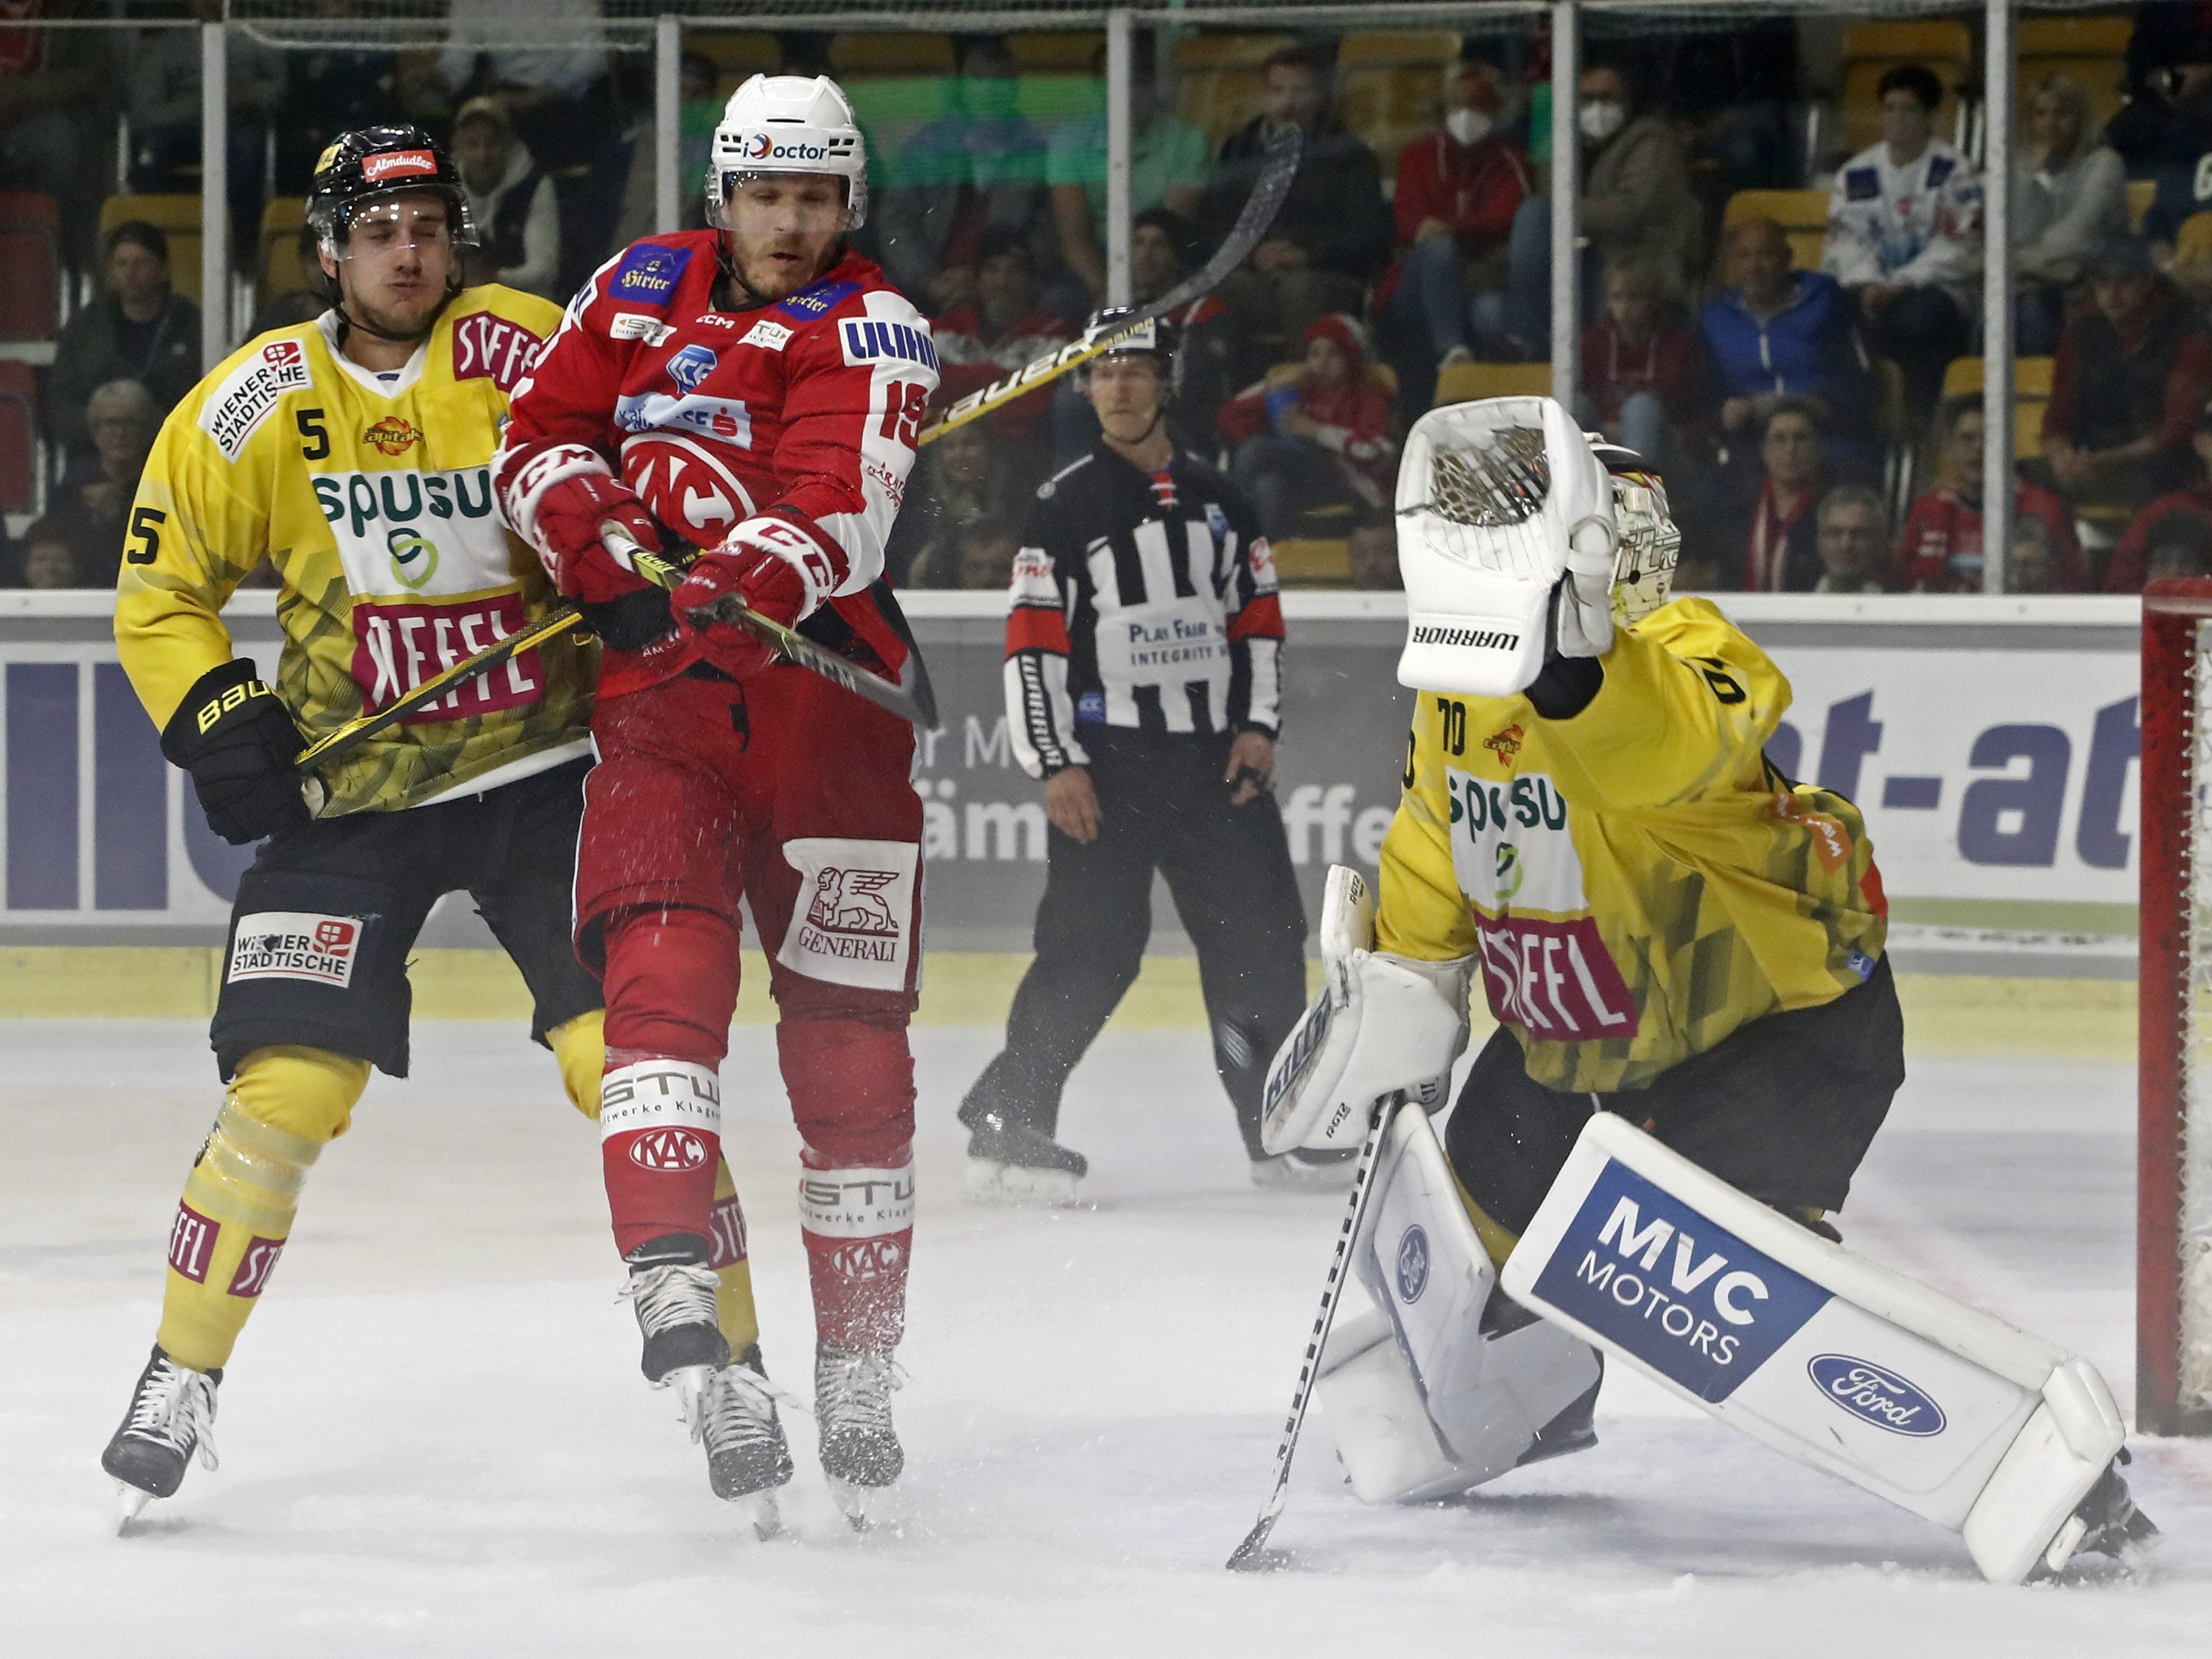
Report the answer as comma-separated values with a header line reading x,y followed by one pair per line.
x,y
788,123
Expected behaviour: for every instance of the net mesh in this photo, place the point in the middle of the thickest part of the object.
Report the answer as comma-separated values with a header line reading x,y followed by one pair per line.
x,y
2194,1129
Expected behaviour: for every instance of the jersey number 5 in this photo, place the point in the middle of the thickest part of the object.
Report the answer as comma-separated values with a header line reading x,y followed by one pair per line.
x,y
905,402
146,524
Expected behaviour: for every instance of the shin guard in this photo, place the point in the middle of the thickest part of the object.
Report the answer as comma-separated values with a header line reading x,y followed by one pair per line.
x,y
660,1144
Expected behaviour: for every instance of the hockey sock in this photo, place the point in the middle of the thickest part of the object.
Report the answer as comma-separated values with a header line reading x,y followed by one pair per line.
x,y
858,1227
579,1045
240,1200
726,1236
1498,1242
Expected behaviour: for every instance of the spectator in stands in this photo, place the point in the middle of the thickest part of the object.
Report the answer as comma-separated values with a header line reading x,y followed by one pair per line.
x,y
1459,187
1765,534
2030,568
964,475
1942,545
163,104
1167,160
988,547
1374,552
47,556
510,199
2179,544
1783,333
1905,236
2130,562
139,331
559,95
1007,327
698,110
1852,536
56,109
976,172
94,496
2069,195
2134,370
2168,116
1640,373
1316,433
1332,236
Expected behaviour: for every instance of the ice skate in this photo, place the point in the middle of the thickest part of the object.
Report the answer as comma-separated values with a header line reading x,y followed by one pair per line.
x,y
861,1451
683,1347
2107,1523
172,1413
747,1458
1303,1172
1012,1164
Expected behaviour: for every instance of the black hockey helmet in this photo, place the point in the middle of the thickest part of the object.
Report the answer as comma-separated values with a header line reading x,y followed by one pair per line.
x,y
1155,339
370,164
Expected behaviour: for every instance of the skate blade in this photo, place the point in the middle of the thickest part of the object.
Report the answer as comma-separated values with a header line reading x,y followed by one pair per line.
x,y
1013,1183
130,1504
762,1512
690,1382
867,1509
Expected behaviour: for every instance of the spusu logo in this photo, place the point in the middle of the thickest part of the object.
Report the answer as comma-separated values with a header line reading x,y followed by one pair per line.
x,y
1876,1394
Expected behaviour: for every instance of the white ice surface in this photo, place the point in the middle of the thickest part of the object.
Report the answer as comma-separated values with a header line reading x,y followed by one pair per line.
x,y
435,1440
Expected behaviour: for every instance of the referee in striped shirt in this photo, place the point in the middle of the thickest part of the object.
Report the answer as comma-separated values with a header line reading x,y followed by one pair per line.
x,y
1144,682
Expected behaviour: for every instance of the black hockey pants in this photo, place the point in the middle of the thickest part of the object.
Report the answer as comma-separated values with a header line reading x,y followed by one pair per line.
x,y
1163,806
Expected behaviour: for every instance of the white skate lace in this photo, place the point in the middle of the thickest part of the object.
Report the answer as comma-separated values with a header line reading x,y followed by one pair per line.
x,y
175,1406
738,1409
665,1297
853,1390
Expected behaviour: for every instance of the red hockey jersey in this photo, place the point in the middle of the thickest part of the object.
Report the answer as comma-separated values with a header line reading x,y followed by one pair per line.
x,y
793,423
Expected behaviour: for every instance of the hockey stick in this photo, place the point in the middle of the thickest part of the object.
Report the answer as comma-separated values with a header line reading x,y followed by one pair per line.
x,y
1246,1555
1279,165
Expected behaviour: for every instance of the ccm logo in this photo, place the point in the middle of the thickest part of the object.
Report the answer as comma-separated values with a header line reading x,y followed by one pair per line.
x,y
668,1149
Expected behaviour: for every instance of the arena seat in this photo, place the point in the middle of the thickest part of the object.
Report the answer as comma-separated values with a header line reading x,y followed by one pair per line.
x,y
2141,193
177,216
1802,214
2030,393
1389,86
278,268
882,54
738,53
2104,79
2071,37
30,266
1218,79
1312,561
19,427
1461,383
1056,52
1872,49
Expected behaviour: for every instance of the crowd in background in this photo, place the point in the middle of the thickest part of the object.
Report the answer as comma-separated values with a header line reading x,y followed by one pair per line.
x,y
1796,400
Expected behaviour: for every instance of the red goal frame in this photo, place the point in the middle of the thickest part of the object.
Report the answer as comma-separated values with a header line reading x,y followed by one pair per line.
x,y
2173,734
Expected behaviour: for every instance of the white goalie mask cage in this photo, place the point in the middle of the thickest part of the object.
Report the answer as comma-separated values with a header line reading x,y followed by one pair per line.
x,y
1496,498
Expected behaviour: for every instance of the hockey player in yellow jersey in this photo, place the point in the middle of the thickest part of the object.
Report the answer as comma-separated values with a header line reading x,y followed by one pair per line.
x,y
352,454
1697,1037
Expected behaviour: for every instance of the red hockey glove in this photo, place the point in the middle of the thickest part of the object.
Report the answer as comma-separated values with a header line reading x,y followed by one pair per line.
x,y
558,499
760,578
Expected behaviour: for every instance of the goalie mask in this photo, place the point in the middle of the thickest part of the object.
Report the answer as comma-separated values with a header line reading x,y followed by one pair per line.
x,y
1499,500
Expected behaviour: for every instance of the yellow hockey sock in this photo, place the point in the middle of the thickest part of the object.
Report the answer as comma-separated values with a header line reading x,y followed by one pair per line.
x,y
283,1105
580,1046
1498,1242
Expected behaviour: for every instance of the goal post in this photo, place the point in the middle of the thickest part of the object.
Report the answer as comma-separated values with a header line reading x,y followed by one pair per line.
x,y
2173,1183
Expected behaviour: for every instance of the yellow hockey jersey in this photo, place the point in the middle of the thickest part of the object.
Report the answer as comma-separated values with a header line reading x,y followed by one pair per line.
x,y
371,496
1636,881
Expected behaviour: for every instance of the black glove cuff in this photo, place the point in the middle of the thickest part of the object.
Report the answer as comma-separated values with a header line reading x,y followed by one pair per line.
x,y
221,699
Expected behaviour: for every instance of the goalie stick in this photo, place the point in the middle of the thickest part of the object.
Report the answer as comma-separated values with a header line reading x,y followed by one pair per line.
x,y
1279,165
1246,1555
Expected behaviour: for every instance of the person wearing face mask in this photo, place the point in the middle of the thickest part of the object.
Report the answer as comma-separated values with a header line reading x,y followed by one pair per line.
x,y
1637,206
1905,236
1459,186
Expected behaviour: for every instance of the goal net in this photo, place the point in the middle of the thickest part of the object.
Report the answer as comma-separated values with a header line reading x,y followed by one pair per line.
x,y
2173,1278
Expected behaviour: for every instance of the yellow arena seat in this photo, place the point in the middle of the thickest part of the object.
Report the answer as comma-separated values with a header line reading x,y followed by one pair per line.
x,y
1462,383
2069,37
2031,392
177,216
2104,79
890,52
1802,214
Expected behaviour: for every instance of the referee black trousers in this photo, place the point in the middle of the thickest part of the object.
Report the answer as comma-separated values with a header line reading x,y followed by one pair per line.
x,y
1163,806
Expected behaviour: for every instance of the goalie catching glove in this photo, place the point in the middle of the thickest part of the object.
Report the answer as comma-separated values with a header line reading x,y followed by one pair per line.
x,y
234,735
1382,1025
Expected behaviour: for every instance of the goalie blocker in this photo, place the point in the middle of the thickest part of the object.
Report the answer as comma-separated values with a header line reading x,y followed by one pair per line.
x,y
1817,1352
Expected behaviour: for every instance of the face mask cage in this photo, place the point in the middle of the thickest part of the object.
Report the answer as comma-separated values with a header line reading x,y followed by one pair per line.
x,y
376,227
1650,546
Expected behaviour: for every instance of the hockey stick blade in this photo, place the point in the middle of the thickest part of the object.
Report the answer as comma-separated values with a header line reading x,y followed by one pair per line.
x,y
1279,165
1250,1555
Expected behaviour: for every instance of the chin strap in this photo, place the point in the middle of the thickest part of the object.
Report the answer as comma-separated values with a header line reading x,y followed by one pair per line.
x,y
348,321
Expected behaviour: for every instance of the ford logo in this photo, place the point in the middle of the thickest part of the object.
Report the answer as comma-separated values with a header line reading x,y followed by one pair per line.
x,y
1412,1265
1874,1392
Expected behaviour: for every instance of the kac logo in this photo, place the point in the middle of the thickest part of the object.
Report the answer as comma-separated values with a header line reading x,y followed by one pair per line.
x,y
668,1149
1412,1273
690,367
1875,1394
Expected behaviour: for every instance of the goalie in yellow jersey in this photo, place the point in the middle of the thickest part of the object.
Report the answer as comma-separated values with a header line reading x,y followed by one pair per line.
x,y
1698,1038
352,453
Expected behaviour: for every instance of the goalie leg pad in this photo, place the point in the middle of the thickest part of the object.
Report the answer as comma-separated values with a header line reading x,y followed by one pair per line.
x,y
1826,1358
1424,1402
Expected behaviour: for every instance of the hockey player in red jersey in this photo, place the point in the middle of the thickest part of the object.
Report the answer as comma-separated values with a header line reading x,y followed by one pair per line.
x,y
755,388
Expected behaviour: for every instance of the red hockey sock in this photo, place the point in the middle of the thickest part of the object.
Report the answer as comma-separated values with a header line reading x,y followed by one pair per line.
x,y
672,981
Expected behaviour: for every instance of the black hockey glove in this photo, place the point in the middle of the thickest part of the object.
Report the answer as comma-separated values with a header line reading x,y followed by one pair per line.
x,y
234,734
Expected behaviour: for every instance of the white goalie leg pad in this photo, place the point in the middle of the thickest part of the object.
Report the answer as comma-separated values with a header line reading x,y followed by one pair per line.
x,y
1822,1355
1381,1024
1423,1404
